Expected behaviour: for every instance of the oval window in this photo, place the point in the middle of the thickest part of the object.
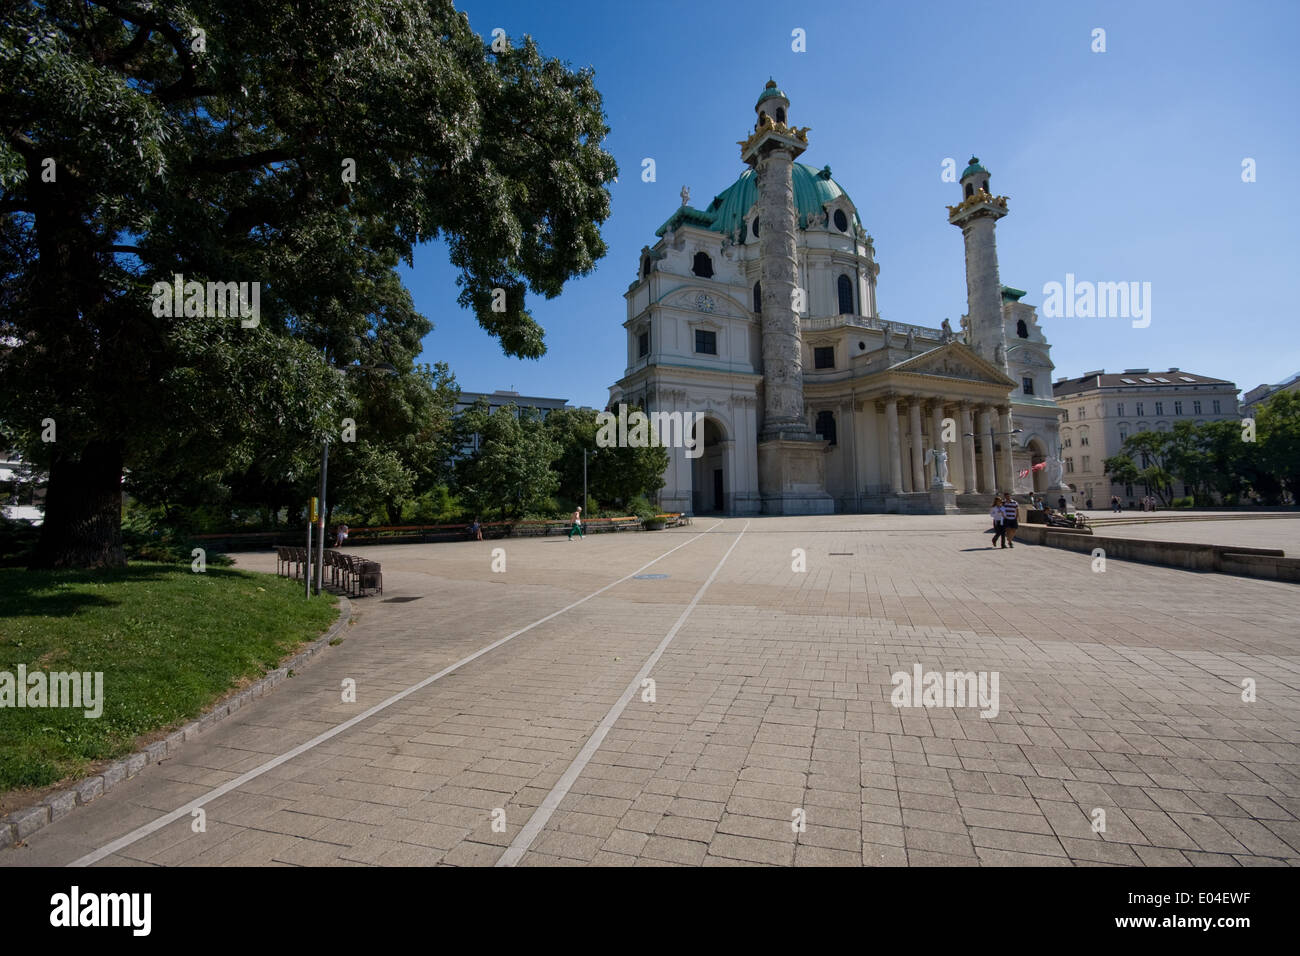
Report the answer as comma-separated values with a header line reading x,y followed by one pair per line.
x,y
841,221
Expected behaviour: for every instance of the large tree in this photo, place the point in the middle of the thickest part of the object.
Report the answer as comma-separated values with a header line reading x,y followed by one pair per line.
x,y
306,147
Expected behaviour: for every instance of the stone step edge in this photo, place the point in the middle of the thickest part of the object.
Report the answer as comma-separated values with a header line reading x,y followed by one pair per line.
x,y
20,824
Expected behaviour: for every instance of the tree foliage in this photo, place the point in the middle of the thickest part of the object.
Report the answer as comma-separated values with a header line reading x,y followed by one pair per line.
x,y
307,147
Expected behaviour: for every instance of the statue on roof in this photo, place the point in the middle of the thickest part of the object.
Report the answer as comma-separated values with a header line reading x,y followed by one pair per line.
x,y
887,331
686,195
911,339
945,332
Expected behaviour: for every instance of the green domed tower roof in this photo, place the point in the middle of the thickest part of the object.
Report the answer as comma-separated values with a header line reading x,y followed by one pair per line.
x,y
812,189
770,91
974,168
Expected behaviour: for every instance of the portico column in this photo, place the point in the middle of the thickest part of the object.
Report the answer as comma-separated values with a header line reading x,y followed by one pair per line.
x,y
936,431
895,446
967,450
986,445
1005,460
918,444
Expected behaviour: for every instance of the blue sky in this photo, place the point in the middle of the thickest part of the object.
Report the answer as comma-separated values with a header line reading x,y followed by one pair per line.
x,y
1120,166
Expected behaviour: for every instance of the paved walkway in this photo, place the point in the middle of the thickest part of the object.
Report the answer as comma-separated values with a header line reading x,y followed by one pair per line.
x,y
1280,533
1118,692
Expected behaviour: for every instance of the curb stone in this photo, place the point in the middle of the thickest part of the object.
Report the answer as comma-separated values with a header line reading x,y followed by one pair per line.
x,y
21,824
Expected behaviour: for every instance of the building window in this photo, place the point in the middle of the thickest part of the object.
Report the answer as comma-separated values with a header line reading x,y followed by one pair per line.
x,y
1067,414
1021,329
1123,434
1217,409
703,266
780,114
1196,407
755,227
970,190
1083,439
706,342
1069,466
1141,409
824,357
758,297
826,426
643,345
841,221
1083,413
1027,384
1119,408
1065,443
1178,408
1160,408
845,285
645,270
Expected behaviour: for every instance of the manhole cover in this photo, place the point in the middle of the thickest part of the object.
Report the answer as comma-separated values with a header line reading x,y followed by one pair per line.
x,y
649,577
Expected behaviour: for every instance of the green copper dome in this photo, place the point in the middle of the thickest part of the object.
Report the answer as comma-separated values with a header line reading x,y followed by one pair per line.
x,y
770,91
974,168
812,189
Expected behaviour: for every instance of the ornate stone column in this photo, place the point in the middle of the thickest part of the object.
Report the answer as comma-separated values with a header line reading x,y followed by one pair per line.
x,y
918,443
895,446
986,446
967,449
1006,459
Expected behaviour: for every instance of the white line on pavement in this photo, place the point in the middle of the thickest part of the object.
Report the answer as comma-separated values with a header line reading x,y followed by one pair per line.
x,y
189,808
514,853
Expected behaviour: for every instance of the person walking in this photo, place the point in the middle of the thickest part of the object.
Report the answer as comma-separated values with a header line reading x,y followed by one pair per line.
x,y
577,524
1010,521
995,513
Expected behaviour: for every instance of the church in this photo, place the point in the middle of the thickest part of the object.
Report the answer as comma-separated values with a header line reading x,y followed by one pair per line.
x,y
758,313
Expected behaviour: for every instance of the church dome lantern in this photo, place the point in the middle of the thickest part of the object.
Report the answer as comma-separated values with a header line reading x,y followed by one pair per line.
x,y
773,103
974,178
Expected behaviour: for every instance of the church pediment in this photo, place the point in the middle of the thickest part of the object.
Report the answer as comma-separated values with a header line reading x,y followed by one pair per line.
x,y
705,301
954,360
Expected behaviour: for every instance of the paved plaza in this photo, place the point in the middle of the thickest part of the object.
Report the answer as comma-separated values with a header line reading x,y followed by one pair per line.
x,y
768,735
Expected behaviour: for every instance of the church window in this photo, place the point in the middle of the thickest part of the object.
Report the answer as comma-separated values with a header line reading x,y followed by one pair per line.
x,y
841,221
824,357
703,266
645,269
1196,407
780,114
755,227
845,286
970,190
758,297
985,185
1028,384
826,426
706,342
762,117
1021,329
643,345
1178,408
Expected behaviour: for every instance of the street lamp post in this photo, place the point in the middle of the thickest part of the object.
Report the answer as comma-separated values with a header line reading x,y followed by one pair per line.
x,y
385,369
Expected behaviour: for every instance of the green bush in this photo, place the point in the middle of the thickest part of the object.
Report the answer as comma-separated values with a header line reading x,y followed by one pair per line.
x,y
1182,502
642,508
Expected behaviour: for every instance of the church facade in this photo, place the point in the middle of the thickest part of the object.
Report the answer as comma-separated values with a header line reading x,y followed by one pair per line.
x,y
759,312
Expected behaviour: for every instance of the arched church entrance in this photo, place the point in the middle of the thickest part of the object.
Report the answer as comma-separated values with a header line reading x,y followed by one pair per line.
x,y
1037,456
708,471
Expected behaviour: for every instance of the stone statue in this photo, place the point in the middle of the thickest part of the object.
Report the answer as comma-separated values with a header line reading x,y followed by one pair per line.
x,y
940,458
1055,468
887,330
911,339
999,356
945,333
686,195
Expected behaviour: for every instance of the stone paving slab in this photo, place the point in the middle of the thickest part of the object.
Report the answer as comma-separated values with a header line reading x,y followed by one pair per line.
x,y
771,738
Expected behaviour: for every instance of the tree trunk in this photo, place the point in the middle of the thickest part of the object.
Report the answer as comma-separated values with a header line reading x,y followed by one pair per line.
x,y
83,511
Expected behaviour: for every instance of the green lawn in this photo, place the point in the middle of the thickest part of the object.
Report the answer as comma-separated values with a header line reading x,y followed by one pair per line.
x,y
169,642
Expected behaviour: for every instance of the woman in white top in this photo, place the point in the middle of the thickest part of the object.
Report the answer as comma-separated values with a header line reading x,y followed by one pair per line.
x,y
996,514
